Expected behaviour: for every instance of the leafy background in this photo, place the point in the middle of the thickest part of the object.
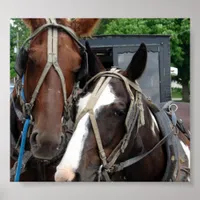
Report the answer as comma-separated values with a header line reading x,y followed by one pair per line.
x,y
177,28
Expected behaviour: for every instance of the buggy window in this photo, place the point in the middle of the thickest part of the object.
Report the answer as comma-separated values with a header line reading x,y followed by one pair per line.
x,y
149,81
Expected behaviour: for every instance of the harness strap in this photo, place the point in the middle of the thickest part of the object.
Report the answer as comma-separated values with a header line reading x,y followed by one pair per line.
x,y
52,59
128,83
36,91
115,74
120,148
95,96
129,162
67,30
98,139
57,68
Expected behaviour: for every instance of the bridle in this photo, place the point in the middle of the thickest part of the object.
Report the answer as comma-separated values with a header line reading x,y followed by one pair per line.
x,y
135,110
52,61
134,120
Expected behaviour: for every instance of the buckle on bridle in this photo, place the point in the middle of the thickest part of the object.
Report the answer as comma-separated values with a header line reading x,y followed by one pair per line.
x,y
112,169
27,108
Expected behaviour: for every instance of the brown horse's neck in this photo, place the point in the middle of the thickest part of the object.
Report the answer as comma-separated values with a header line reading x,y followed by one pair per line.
x,y
152,167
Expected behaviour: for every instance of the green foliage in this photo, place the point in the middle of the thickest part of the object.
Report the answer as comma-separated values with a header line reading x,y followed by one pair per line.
x,y
176,93
178,29
103,26
18,33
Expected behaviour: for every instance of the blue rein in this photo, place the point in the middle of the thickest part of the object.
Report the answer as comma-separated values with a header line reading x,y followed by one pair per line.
x,y
23,141
21,151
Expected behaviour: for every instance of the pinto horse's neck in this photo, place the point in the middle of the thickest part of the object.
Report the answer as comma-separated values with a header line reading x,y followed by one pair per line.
x,y
152,167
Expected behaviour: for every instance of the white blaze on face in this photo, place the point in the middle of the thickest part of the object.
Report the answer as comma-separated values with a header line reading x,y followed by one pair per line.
x,y
74,150
154,124
187,152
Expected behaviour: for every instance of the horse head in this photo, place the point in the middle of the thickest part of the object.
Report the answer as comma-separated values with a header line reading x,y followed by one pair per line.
x,y
49,68
101,121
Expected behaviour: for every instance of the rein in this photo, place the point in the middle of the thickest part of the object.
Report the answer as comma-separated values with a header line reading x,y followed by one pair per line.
x,y
25,116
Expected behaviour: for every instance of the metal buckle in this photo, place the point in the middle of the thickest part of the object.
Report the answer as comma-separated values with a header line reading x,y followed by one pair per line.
x,y
173,107
27,109
111,169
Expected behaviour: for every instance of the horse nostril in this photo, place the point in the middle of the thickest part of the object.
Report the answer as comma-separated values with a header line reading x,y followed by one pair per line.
x,y
33,139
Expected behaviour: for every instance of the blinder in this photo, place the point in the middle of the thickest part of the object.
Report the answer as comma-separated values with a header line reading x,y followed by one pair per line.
x,y
20,65
83,71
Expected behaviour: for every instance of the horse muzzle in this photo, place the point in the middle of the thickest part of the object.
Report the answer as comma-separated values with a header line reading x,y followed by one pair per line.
x,y
47,147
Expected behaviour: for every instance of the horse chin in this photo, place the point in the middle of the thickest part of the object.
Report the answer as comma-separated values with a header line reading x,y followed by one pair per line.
x,y
41,155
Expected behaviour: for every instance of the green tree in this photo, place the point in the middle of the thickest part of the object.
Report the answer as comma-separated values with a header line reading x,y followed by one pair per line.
x,y
103,26
179,29
18,34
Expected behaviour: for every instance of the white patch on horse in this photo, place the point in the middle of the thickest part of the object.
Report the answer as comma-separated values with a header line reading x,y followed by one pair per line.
x,y
187,152
82,103
72,155
74,149
154,124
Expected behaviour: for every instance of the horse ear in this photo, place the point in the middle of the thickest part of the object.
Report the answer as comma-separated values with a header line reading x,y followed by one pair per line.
x,y
84,27
137,64
94,65
33,23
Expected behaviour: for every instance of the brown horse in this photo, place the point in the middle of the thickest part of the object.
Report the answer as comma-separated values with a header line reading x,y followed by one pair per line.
x,y
119,135
46,137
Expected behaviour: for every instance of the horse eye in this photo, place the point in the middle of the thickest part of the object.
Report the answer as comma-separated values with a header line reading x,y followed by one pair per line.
x,y
119,113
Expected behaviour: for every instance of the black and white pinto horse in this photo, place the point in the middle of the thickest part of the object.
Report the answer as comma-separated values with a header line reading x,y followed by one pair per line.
x,y
104,147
